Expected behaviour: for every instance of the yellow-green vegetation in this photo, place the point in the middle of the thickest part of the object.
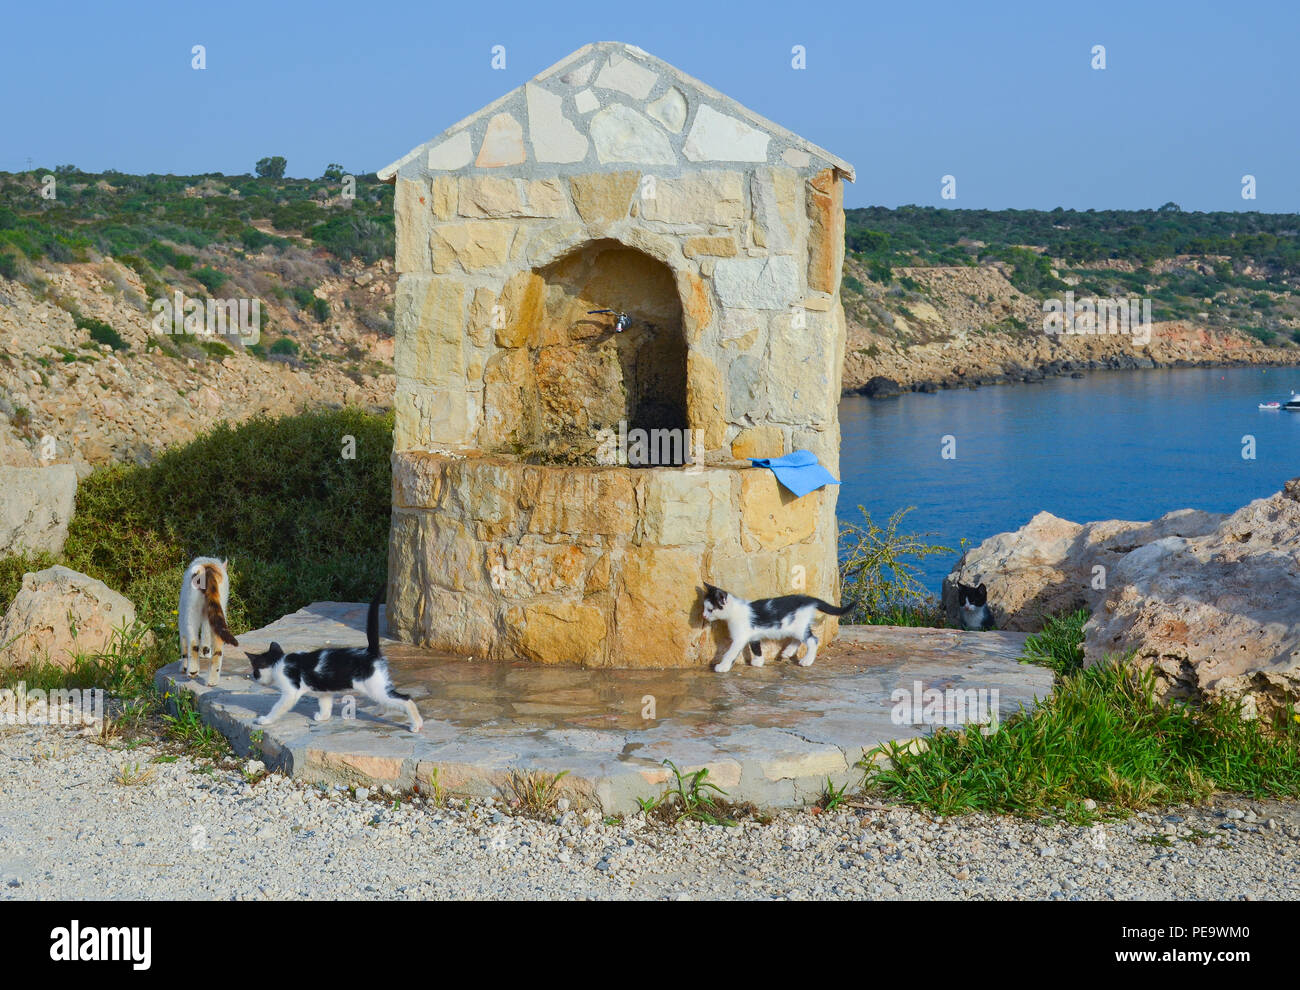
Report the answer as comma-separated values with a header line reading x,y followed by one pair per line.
x,y
1103,737
878,574
534,791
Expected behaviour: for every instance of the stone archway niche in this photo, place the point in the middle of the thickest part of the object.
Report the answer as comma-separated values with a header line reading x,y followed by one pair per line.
x,y
569,379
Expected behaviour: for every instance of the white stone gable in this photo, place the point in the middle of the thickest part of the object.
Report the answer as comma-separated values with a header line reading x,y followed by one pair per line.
x,y
607,106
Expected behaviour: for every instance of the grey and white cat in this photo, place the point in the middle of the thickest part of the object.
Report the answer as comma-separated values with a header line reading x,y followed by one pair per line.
x,y
788,618
974,607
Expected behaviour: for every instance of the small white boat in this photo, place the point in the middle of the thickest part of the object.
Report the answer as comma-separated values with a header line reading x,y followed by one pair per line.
x,y
1270,405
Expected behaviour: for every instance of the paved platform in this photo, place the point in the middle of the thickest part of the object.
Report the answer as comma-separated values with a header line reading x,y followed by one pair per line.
x,y
772,735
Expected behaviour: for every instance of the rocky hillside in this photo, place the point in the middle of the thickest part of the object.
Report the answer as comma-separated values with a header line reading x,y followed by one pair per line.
x,y
85,378
101,402
954,326
943,298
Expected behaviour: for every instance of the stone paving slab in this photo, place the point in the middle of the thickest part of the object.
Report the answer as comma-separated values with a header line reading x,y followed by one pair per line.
x,y
771,734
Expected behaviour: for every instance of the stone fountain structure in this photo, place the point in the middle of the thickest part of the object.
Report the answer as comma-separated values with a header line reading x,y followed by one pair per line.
x,y
564,479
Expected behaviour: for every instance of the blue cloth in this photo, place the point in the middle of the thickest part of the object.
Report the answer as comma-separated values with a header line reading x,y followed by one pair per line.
x,y
799,471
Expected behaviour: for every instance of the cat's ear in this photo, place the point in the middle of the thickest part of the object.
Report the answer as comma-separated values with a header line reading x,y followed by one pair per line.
x,y
275,650
980,587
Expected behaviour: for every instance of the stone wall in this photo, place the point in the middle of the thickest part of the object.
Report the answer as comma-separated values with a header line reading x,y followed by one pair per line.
x,y
611,180
598,566
755,258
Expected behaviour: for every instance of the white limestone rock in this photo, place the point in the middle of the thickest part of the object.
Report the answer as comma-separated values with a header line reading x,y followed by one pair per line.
x,y
578,76
669,109
627,76
554,137
453,153
35,507
719,137
59,613
621,134
757,283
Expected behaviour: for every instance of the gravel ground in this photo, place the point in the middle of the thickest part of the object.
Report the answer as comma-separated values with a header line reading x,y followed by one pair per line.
x,y
69,830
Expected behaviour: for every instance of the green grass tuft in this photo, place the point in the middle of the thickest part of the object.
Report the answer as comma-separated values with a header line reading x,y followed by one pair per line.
x,y
1060,644
1101,735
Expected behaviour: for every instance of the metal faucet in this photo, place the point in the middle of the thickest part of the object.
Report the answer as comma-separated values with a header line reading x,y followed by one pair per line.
x,y
621,322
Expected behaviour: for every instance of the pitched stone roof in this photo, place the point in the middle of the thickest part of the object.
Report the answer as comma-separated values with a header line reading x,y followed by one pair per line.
x,y
603,108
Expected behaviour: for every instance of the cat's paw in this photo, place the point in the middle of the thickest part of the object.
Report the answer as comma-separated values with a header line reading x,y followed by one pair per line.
x,y
417,726
808,660
321,717
721,668
756,660
261,720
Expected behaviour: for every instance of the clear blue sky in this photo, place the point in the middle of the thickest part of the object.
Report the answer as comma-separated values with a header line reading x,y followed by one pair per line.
x,y
1194,95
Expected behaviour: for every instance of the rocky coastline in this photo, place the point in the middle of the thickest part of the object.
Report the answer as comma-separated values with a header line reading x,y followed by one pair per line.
x,y
884,387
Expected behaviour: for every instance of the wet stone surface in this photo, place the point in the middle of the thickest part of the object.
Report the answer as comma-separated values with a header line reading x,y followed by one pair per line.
x,y
772,735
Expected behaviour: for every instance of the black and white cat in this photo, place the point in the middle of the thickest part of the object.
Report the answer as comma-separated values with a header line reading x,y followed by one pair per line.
x,y
326,672
750,623
974,607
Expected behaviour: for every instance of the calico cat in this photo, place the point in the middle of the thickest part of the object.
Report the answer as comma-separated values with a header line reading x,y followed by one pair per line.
x,y
201,616
750,623
324,673
974,607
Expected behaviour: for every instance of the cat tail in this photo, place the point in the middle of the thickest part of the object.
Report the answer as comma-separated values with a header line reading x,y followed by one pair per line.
x,y
830,609
372,626
216,615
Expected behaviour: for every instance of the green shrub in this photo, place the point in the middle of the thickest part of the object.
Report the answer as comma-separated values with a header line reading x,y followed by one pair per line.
x,y
210,278
285,345
215,348
254,239
101,333
164,255
355,236
297,522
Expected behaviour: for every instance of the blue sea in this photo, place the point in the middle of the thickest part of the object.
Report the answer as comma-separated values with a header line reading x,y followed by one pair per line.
x,y
1113,445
